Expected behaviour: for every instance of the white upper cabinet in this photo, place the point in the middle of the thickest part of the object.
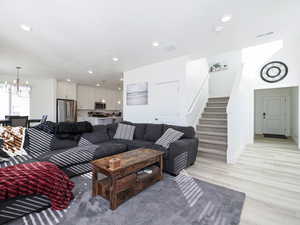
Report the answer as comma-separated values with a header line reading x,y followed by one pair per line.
x,y
66,90
86,97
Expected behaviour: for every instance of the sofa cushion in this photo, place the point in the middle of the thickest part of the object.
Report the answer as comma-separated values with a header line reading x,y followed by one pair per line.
x,y
37,142
124,131
108,149
159,148
169,137
139,144
153,132
139,131
69,157
98,135
57,143
188,132
14,208
111,130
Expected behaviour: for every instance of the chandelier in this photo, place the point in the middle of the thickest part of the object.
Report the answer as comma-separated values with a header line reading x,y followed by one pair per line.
x,y
18,79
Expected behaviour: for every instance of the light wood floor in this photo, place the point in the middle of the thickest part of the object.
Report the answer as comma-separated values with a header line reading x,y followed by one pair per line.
x,y
269,173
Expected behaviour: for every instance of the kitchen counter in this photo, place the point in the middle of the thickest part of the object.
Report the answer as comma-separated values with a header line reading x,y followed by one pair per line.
x,y
101,120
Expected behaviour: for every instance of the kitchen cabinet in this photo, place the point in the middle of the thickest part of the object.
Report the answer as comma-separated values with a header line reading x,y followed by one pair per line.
x,y
86,97
66,90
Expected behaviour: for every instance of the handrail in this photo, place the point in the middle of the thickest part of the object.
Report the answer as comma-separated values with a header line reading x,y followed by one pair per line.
x,y
198,94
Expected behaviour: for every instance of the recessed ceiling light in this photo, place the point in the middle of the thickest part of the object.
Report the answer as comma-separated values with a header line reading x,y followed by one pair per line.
x,y
119,102
121,79
68,79
219,28
103,101
115,59
226,18
119,88
155,44
98,85
25,27
90,71
26,82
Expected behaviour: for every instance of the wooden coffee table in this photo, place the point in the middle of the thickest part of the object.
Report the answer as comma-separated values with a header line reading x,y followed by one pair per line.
x,y
129,179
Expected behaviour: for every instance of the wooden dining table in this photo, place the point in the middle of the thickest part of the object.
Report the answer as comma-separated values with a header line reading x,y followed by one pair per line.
x,y
7,122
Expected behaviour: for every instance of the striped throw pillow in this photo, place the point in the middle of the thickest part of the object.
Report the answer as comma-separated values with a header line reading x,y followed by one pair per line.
x,y
124,131
169,137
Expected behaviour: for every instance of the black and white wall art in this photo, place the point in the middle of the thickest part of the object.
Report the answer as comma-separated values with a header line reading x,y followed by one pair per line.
x,y
137,94
274,71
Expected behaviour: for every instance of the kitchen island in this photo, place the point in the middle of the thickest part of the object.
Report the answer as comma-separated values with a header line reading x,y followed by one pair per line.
x,y
94,120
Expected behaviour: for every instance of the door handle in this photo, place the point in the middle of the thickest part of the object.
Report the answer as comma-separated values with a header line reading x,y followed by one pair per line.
x,y
264,115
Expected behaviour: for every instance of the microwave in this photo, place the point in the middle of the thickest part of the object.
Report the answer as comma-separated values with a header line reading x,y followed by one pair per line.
x,y
100,105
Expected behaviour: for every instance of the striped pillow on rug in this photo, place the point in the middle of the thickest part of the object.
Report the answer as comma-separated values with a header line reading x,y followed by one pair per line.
x,y
124,131
169,137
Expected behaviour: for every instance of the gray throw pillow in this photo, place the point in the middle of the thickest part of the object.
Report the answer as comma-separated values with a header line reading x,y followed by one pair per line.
x,y
124,131
169,137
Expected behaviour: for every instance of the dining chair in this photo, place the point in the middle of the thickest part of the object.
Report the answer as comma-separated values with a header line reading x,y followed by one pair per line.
x,y
17,121
44,118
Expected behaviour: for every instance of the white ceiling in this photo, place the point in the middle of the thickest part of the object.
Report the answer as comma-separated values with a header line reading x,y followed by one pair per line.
x,y
69,37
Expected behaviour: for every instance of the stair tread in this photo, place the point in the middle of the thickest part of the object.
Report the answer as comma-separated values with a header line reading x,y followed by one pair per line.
x,y
216,119
212,133
219,113
216,107
212,125
218,97
213,151
205,140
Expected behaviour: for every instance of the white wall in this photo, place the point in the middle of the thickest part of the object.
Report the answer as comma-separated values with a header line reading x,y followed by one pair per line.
x,y
196,89
221,83
42,97
295,114
174,95
165,72
241,104
259,107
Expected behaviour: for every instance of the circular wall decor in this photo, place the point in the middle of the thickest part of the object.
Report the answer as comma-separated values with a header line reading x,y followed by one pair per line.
x,y
274,71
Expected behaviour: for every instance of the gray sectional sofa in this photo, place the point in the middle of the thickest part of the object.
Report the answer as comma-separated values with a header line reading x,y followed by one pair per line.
x,y
74,156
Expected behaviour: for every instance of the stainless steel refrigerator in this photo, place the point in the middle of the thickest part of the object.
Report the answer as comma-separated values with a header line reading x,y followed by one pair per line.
x,y
66,110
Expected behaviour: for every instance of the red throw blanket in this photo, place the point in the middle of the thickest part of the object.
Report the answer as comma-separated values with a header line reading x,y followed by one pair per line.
x,y
40,178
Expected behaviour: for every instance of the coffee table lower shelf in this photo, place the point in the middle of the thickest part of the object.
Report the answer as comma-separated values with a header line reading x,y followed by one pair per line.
x,y
120,187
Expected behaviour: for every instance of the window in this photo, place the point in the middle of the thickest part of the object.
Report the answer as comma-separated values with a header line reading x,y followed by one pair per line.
x,y
13,103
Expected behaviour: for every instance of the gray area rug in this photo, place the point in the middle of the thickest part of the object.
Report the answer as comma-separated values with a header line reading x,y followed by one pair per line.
x,y
180,200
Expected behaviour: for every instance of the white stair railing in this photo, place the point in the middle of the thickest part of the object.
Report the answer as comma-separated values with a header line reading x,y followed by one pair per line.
x,y
198,104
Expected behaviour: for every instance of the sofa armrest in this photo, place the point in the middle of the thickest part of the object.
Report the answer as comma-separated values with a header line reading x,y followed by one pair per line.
x,y
183,145
182,153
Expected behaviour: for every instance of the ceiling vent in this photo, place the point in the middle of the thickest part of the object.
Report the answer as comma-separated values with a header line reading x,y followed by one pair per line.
x,y
265,34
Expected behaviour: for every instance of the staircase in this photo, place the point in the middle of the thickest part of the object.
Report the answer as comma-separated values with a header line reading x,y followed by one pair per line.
x,y
212,129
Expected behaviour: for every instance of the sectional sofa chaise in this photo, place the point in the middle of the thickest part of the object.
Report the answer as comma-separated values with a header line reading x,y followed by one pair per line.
x,y
74,156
